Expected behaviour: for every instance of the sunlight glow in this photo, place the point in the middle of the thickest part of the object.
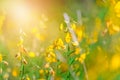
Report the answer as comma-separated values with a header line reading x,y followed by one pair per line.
x,y
20,13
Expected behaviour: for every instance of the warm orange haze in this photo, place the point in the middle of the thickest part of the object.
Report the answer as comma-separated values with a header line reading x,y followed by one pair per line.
x,y
59,40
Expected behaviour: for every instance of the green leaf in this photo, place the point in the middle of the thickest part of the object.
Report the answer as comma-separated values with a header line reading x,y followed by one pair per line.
x,y
70,52
102,13
71,60
117,77
66,75
68,48
22,70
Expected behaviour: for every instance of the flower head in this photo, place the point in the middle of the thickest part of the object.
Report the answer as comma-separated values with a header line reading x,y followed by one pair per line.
x,y
1,58
117,9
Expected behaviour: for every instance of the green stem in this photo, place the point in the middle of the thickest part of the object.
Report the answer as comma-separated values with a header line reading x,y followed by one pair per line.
x,y
21,68
1,71
74,38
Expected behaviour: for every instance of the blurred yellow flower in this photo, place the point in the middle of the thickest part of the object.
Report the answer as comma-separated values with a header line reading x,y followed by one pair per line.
x,y
50,48
95,37
115,62
63,66
1,58
78,73
116,28
73,26
58,44
27,78
41,71
61,27
40,37
15,72
113,29
79,33
68,37
50,59
31,54
77,51
46,71
34,30
82,57
52,54
117,9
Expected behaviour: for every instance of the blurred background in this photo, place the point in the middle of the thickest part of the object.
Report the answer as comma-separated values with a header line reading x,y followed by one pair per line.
x,y
40,21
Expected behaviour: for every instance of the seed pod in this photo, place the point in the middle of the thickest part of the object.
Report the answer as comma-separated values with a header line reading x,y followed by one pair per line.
x,y
25,62
47,65
5,62
52,72
0,70
104,32
17,55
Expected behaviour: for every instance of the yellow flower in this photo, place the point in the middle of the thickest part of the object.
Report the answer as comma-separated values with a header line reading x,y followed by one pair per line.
x,y
97,25
78,73
27,77
117,9
115,62
50,48
41,71
116,28
95,37
82,57
68,37
31,54
34,30
63,66
113,29
58,44
1,58
15,72
79,33
50,59
61,27
77,51
52,54
46,71
73,25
